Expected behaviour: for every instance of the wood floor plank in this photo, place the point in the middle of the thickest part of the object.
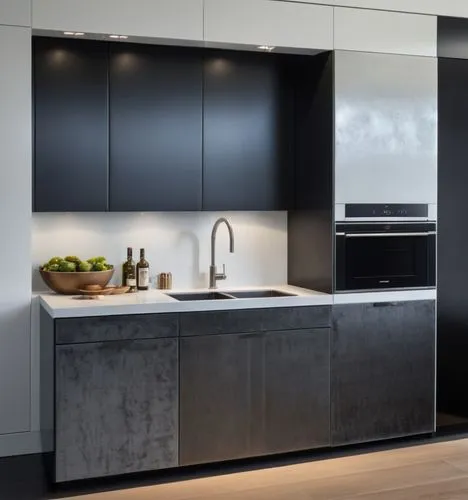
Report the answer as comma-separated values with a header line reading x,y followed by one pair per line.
x,y
434,471
453,489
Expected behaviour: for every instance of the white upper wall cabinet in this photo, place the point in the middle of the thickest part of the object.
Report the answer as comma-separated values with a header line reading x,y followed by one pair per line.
x,y
385,128
172,19
455,8
263,22
15,12
388,32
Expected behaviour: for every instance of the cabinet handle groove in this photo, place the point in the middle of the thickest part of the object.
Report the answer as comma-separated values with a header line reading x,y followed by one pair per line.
x,y
251,335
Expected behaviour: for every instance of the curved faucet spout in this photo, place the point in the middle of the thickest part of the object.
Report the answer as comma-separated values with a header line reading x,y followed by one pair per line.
x,y
213,274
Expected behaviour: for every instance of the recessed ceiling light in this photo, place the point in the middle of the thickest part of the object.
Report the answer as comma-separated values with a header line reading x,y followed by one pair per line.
x,y
73,33
118,37
68,32
79,34
266,48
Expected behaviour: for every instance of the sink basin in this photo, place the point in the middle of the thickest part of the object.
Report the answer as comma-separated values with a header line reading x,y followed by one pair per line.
x,y
199,296
260,294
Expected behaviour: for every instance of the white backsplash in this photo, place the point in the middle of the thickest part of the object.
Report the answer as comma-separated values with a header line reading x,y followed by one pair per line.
x,y
175,242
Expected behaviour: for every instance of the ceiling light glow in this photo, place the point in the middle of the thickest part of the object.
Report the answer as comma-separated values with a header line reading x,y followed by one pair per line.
x,y
266,48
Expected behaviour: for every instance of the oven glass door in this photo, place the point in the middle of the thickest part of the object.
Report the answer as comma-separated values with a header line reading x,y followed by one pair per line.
x,y
383,261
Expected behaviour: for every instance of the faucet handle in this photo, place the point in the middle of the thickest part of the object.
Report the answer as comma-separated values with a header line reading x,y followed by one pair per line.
x,y
222,276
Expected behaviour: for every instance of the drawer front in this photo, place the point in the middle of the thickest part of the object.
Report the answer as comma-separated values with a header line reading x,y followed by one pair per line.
x,y
254,320
109,328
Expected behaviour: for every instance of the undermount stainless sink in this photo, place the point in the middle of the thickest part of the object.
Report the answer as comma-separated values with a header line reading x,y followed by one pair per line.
x,y
199,296
240,294
260,294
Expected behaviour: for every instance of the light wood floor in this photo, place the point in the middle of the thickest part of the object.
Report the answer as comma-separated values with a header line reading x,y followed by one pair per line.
x,y
426,472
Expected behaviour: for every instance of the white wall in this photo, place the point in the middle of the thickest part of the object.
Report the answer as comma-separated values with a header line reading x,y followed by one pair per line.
x,y
175,242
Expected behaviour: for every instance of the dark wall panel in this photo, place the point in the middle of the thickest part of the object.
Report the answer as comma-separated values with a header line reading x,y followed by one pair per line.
x,y
452,37
71,124
310,224
452,236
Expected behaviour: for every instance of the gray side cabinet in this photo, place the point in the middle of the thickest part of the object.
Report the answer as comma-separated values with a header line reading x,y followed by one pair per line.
x,y
116,402
382,371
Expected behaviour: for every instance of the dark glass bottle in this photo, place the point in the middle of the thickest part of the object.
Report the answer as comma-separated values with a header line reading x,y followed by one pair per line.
x,y
129,272
143,271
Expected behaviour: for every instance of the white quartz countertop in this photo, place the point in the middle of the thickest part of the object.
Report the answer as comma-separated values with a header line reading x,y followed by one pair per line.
x,y
157,301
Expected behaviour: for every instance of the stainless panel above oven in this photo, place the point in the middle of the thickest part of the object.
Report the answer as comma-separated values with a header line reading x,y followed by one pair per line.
x,y
385,128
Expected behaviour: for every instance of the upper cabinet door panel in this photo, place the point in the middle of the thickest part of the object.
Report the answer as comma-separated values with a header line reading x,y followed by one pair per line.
x,y
71,125
263,22
457,8
245,133
388,32
15,12
386,128
155,128
174,19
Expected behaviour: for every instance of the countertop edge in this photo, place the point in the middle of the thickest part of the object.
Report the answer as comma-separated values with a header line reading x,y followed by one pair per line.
x,y
162,304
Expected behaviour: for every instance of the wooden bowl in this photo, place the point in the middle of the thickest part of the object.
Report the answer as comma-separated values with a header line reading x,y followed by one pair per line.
x,y
72,283
91,293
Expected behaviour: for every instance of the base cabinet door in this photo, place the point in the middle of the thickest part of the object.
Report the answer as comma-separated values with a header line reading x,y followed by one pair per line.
x,y
246,395
214,398
296,394
116,408
382,371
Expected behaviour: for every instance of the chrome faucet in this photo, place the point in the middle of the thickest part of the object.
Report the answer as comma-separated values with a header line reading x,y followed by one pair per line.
x,y
214,276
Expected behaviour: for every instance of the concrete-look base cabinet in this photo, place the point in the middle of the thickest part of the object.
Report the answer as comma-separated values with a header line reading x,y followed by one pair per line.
x,y
155,391
116,401
253,394
116,407
253,382
382,371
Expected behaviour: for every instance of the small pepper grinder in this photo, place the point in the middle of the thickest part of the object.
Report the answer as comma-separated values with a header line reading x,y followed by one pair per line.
x,y
165,281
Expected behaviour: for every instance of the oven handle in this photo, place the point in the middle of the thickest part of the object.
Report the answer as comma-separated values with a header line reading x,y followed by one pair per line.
x,y
383,235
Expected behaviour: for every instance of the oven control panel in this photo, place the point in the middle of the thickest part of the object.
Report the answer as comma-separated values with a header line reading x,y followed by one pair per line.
x,y
386,211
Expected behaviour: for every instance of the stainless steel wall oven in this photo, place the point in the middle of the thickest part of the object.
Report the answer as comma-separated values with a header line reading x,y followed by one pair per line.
x,y
385,254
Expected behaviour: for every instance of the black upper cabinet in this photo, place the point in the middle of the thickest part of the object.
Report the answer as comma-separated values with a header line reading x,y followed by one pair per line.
x,y
155,128
71,125
128,127
247,132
